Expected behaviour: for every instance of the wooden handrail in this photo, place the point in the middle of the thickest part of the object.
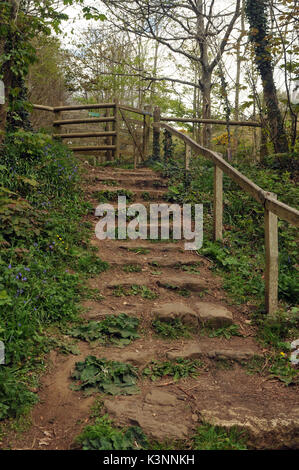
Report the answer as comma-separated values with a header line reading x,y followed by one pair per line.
x,y
43,108
212,121
279,208
135,110
272,208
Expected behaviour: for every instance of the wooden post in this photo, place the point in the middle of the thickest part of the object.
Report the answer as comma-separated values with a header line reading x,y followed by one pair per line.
x,y
58,117
271,254
146,132
156,134
187,156
108,140
117,130
218,203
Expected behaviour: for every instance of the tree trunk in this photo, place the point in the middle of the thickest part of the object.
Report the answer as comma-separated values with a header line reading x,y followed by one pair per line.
x,y
257,14
278,135
5,46
206,83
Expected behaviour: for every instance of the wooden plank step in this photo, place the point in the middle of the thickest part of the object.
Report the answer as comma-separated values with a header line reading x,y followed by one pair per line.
x,y
88,148
79,135
63,122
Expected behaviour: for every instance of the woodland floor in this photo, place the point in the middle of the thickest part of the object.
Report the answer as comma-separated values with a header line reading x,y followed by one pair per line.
x,y
223,393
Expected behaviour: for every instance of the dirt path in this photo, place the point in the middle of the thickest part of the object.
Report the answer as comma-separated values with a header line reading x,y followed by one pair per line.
x,y
224,393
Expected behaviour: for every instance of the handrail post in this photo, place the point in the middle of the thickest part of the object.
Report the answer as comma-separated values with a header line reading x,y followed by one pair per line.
x,y
271,258
218,203
116,129
156,134
146,132
109,153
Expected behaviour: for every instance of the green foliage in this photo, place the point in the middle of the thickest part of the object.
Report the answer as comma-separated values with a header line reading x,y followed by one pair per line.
x,y
139,250
15,398
210,437
106,195
90,264
282,162
182,292
241,264
146,196
132,268
226,332
178,369
18,29
274,365
111,377
109,182
135,289
171,329
119,330
103,436
282,369
275,331
189,268
41,210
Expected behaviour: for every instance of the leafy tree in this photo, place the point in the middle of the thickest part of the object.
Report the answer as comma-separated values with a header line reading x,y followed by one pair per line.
x,y
20,22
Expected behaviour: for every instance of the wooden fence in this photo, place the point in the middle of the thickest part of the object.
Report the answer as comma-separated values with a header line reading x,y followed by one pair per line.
x,y
115,115
272,207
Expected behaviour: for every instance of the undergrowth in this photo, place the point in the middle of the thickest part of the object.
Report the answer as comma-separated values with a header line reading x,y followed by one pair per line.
x,y
119,330
45,256
178,369
102,435
112,377
171,329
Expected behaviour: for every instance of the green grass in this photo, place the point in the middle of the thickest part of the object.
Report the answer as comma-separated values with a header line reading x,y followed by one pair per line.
x,y
139,250
135,289
106,195
210,437
273,365
132,268
173,329
102,435
178,369
226,332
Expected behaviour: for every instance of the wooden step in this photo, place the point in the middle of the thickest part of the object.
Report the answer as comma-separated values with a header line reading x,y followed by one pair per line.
x,y
88,148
